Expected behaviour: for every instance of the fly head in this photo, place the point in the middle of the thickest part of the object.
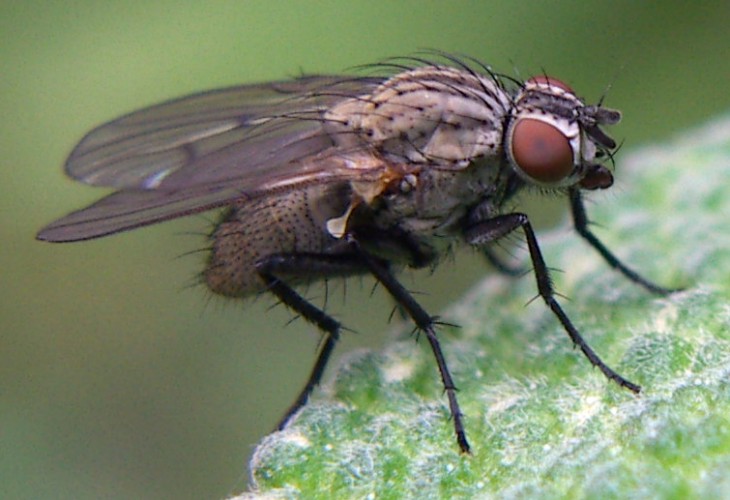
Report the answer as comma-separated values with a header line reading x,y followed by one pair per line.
x,y
553,138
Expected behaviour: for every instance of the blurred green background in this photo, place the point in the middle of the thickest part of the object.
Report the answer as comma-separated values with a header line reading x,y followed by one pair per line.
x,y
117,378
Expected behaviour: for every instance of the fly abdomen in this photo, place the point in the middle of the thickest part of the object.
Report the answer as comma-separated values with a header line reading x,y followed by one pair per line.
x,y
292,222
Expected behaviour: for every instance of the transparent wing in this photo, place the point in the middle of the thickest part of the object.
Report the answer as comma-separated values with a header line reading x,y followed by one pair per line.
x,y
202,138
132,208
202,151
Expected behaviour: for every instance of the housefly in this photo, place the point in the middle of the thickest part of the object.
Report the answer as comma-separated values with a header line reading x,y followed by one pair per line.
x,y
333,176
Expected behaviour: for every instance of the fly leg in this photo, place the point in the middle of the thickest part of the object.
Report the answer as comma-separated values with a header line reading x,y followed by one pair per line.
x,y
307,265
489,230
500,264
425,323
581,222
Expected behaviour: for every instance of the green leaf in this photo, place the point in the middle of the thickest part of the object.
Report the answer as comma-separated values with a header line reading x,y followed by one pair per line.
x,y
541,421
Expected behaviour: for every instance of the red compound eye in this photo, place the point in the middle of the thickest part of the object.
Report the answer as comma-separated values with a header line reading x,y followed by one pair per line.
x,y
552,82
541,151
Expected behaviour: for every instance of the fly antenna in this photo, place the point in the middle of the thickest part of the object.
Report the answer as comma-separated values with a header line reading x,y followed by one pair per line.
x,y
609,86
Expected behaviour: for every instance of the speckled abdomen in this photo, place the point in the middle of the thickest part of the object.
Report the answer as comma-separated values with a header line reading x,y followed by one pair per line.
x,y
292,222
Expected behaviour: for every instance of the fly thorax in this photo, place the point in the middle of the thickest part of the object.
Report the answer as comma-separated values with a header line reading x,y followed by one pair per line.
x,y
430,206
433,115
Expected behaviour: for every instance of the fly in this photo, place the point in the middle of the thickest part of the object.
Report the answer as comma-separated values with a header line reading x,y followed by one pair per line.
x,y
332,176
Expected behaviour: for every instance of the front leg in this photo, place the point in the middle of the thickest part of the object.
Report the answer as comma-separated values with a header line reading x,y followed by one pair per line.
x,y
581,222
492,229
